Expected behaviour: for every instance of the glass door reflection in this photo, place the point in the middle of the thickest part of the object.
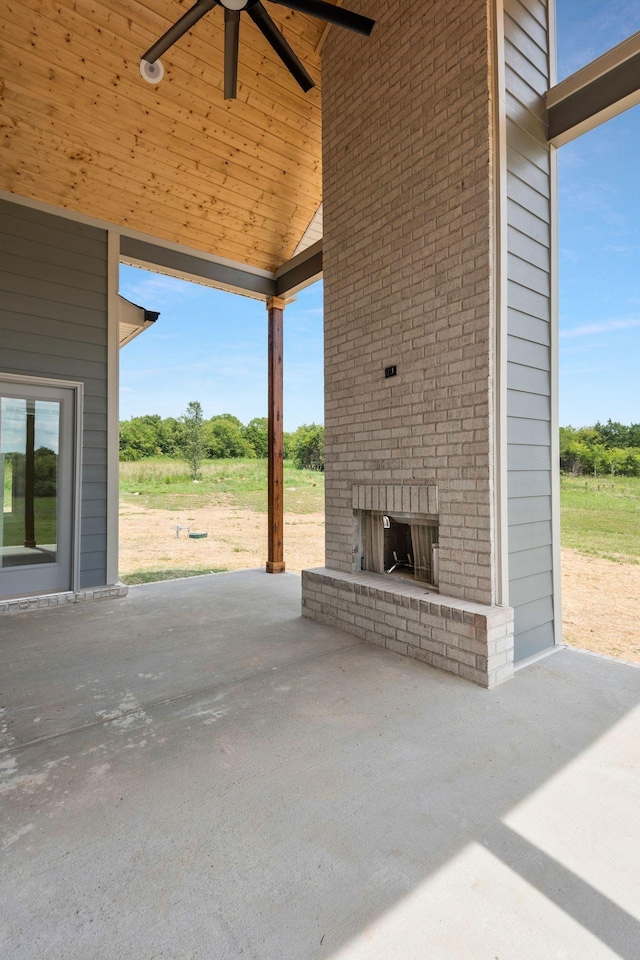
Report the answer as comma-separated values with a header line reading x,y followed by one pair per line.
x,y
29,467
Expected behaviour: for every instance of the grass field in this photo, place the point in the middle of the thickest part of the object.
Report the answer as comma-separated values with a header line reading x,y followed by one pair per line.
x,y
170,573
13,514
601,517
229,501
600,524
44,519
167,485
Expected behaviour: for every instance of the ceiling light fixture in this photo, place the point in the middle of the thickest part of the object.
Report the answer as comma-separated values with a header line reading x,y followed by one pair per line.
x,y
151,72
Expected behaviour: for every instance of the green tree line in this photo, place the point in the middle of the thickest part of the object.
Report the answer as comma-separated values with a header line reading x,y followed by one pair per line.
x,y
192,438
605,448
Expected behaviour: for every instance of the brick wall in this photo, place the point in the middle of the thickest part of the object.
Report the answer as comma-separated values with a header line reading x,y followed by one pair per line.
x,y
407,271
472,640
408,263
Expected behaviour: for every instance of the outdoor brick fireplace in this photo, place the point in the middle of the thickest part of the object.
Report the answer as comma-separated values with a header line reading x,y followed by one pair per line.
x,y
391,597
411,322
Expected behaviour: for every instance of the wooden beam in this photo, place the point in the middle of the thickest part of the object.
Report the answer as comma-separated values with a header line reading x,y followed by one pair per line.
x,y
275,505
29,478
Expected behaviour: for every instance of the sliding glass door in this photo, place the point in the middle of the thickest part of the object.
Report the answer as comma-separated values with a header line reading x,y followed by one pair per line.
x,y
37,468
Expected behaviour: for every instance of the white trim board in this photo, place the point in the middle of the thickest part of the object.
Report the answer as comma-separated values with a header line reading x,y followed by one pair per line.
x,y
500,478
113,405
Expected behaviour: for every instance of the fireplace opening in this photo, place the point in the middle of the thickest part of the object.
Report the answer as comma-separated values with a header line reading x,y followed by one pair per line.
x,y
400,545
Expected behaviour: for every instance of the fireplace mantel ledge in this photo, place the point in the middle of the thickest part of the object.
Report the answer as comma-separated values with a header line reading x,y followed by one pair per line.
x,y
472,640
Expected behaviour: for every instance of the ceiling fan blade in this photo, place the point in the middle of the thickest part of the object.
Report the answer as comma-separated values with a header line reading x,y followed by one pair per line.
x,y
268,28
179,29
231,38
332,14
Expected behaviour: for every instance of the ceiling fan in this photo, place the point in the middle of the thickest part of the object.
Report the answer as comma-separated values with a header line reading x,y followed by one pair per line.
x,y
152,70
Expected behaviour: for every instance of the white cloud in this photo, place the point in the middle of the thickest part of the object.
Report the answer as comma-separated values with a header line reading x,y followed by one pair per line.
x,y
607,326
156,288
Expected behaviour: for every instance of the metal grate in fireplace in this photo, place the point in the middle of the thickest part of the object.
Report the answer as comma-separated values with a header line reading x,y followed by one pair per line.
x,y
404,545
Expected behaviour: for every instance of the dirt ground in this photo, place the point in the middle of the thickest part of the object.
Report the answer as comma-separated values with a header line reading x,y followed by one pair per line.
x,y
601,605
236,539
601,599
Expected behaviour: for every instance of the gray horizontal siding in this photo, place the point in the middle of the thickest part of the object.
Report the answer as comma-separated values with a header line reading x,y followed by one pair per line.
x,y
66,366
530,405
528,352
528,483
529,509
77,234
13,245
62,293
94,421
535,587
529,276
524,195
519,142
529,384
526,327
526,563
535,640
94,456
528,249
523,456
92,491
527,171
530,431
537,9
528,379
528,536
520,110
53,324
32,306
95,525
94,473
54,347
93,508
59,330
527,300
536,613
520,218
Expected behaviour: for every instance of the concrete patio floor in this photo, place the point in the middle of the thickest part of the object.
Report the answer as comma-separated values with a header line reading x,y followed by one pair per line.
x,y
196,772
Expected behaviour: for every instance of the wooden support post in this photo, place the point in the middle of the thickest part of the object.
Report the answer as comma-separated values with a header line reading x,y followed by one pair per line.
x,y
29,477
275,508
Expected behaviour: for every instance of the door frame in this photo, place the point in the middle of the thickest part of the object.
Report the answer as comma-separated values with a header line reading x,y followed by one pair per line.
x,y
77,386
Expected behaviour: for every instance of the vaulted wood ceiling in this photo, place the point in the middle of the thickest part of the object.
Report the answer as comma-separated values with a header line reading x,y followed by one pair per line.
x,y
80,128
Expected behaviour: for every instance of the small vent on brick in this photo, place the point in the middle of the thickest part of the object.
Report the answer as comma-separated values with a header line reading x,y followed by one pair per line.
x,y
400,545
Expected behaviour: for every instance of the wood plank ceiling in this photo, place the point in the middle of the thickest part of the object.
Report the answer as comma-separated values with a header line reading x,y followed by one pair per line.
x,y
81,130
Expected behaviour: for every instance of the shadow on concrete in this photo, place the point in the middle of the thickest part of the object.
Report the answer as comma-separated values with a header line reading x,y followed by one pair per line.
x,y
195,771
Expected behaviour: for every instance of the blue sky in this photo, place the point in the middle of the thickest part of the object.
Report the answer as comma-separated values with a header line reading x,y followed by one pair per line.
x,y
211,346
599,234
